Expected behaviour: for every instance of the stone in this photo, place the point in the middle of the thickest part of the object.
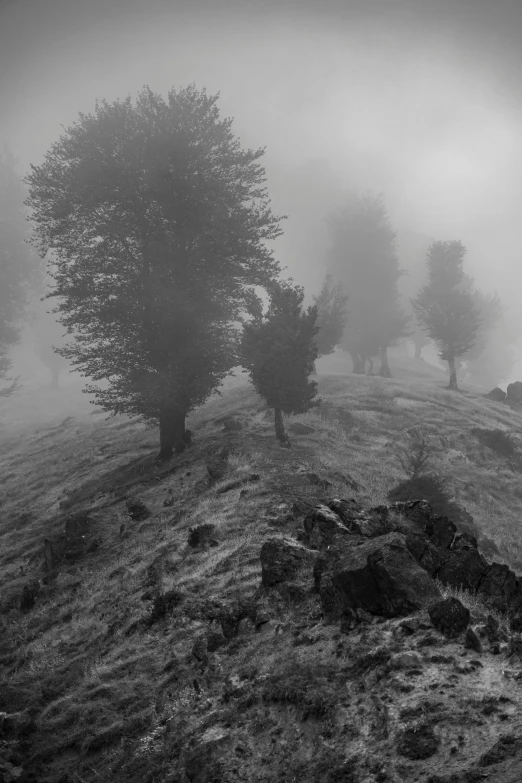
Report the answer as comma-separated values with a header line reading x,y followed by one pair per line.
x,y
409,659
137,510
472,642
514,648
359,520
425,553
449,616
463,569
317,481
382,577
497,586
202,764
497,394
464,541
514,392
200,535
418,742
322,526
282,559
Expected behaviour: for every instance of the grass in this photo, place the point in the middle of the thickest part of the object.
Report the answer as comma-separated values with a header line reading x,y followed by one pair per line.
x,y
101,678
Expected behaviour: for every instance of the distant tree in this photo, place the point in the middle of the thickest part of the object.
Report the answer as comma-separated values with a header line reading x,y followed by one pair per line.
x,y
158,222
331,304
412,249
278,350
444,308
18,264
363,258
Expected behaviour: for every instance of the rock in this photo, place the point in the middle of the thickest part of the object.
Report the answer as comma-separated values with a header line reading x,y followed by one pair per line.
x,y
449,616
408,659
514,392
418,742
200,535
300,429
425,553
497,394
514,648
382,577
488,548
498,586
215,640
464,541
359,520
232,424
29,595
199,649
472,642
245,627
137,510
317,481
282,559
462,569
202,764
322,526
410,625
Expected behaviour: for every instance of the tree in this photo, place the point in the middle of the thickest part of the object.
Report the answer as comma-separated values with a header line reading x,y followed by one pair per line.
x,y
412,249
444,308
332,315
363,257
278,350
18,267
158,222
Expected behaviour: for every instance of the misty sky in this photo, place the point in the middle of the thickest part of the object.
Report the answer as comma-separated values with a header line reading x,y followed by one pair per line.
x,y
420,100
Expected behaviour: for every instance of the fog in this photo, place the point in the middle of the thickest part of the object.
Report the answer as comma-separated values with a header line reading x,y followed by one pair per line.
x,y
418,100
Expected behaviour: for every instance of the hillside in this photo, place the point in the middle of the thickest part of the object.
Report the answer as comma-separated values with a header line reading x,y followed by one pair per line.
x,y
143,657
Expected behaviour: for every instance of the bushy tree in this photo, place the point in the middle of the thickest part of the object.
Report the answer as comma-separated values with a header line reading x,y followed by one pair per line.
x,y
278,350
444,308
331,304
158,221
18,264
363,258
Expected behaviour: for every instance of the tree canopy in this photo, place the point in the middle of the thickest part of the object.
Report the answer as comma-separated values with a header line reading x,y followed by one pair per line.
x,y
278,350
362,256
158,222
443,306
331,303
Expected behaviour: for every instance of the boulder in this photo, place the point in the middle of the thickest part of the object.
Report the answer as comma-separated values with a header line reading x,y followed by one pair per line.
x,y
282,559
426,555
472,641
322,526
449,616
462,569
514,392
382,577
418,742
369,523
497,587
497,394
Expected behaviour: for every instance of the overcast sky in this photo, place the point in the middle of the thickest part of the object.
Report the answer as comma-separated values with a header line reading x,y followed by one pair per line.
x,y
419,100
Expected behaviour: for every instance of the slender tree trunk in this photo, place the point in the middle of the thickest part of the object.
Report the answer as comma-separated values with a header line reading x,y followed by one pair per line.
x,y
418,350
370,368
280,427
173,436
453,374
357,362
385,367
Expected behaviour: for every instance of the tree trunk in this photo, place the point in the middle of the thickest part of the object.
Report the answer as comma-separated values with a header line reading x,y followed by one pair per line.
x,y
358,364
172,433
314,371
418,350
370,368
385,367
453,374
280,427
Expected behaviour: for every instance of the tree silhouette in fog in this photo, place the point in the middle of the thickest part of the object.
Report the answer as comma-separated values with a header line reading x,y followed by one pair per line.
x,y
18,264
331,303
444,307
158,221
278,350
362,256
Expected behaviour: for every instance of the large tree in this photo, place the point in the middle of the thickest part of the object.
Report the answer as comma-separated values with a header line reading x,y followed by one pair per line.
x,y
18,264
158,223
363,257
331,303
443,306
278,350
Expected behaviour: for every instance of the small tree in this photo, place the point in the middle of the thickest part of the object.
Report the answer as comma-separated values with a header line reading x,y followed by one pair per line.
x,y
332,316
278,350
444,308
159,223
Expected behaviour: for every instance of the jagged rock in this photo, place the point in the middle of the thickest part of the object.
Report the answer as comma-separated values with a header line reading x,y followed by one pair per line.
x,y
382,577
137,510
497,394
408,659
232,424
359,520
514,392
463,569
472,642
300,429
418,742
426,555
449,616
464,541
282,559
488,548
322,526
317,481
410,625
498,586
202,764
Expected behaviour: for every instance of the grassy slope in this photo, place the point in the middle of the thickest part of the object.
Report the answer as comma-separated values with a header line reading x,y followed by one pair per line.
x,y
102,686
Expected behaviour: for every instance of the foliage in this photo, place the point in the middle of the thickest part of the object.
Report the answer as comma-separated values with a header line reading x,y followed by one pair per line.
x,y
158,223
363,257
417,457
332,316
432,488
18,265
446,311
278,350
